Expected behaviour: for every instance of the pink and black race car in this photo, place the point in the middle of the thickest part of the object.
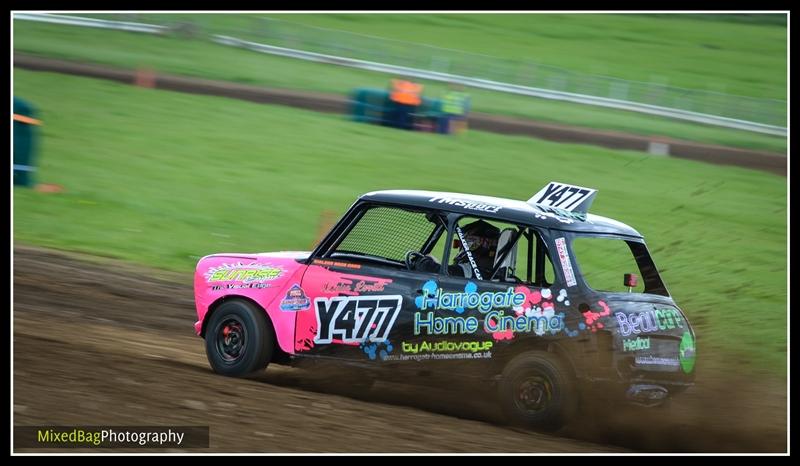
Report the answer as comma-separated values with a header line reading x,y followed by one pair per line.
x,y
413,284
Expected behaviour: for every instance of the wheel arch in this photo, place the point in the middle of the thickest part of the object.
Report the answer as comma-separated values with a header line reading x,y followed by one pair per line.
x,y
506,354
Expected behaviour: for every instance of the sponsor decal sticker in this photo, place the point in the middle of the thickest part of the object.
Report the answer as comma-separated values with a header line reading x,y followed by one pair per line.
x,y
566,265
636,344
592,318
446,346
489,303
434,297
295,300
687,352
240,286
469,205
357,287
253,272
438,356
648,321
656,361
355,319
375,350
330,263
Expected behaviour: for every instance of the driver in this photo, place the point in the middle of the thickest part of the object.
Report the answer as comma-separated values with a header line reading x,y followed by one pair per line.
x,y
481,243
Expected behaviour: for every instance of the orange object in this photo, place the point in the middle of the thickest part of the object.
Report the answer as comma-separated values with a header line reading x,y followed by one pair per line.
x,y
145,77
406,92
49,188
27,119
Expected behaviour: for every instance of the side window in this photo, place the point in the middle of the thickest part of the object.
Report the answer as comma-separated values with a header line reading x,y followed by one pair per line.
x,y
541,272
549,273
604,261
439,247
387,234
475,247
499,250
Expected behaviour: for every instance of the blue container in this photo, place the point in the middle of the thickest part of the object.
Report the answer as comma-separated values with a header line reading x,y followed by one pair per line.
x,y
25,141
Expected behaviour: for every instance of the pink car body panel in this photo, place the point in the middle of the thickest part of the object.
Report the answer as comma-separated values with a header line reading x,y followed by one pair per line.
x,y
265,278
319,282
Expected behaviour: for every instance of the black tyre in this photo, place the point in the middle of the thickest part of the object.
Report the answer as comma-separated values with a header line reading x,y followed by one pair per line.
x,y
537,391
239,339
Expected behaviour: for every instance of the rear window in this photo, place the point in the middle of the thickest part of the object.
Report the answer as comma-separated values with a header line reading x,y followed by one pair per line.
x,y
388,233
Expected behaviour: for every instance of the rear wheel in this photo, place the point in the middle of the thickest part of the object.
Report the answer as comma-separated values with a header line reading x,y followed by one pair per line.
x,y
239,339
537,391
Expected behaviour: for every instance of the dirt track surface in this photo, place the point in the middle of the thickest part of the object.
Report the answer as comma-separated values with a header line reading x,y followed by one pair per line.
x,y
316,101
104,343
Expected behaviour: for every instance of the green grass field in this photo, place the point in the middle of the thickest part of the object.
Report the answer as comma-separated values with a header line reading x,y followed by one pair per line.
x,y
201,58
738,58
161,179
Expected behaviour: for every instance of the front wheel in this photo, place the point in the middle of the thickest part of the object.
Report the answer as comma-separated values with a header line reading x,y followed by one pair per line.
x,y
537,391
239,339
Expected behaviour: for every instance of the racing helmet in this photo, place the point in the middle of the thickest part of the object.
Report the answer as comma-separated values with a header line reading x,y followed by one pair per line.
x,y
481,238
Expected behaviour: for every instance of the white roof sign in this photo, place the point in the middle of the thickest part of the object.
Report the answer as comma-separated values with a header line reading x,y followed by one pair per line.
x,y
564,196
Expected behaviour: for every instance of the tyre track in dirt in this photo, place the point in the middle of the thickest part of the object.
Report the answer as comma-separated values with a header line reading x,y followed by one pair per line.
x,y
99,341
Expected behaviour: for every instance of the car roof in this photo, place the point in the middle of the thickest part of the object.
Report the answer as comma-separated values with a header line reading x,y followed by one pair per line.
x,y
509,210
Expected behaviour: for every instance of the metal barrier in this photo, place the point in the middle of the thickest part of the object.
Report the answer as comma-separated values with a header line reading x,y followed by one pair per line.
x,y
91,22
